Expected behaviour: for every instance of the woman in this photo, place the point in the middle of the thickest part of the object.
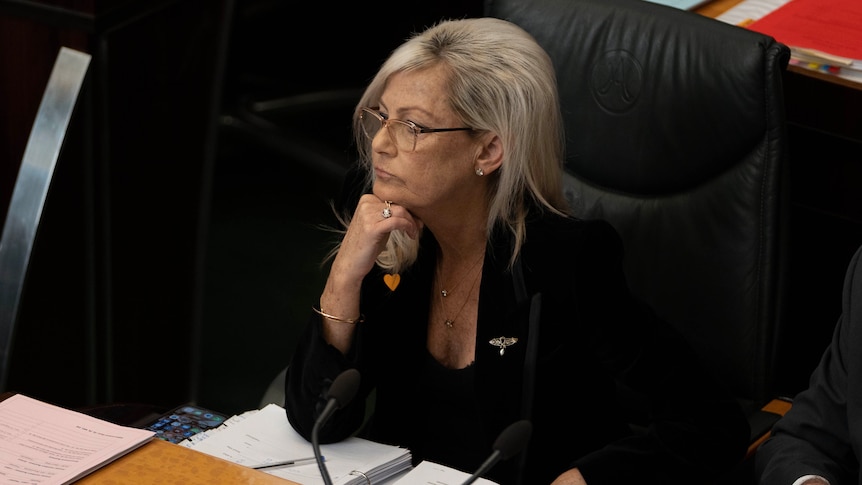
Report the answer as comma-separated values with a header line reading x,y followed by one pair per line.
x,y
468,299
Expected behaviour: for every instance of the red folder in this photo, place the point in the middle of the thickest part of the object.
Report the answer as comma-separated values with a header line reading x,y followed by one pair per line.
x,y
829,26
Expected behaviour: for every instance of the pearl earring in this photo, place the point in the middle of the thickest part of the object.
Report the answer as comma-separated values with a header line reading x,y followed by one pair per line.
x,y
480,172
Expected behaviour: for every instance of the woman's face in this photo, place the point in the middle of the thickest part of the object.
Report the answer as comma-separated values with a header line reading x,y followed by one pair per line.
x,y
439,174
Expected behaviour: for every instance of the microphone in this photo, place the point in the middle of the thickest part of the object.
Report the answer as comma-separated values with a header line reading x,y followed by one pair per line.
x,y
340,393
509,443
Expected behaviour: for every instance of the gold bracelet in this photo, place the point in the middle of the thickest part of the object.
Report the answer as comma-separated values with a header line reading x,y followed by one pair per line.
x,y
352,321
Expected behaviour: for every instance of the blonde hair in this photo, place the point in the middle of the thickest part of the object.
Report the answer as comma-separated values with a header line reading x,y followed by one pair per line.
x,y
500,81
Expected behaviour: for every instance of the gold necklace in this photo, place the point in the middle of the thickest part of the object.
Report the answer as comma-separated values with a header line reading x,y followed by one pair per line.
x,y
443,292
450,322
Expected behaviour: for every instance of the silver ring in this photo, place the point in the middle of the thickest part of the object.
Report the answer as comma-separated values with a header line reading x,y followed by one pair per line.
x,y
387,212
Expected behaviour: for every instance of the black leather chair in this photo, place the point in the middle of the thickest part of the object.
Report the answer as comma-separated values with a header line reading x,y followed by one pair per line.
x,y
675,134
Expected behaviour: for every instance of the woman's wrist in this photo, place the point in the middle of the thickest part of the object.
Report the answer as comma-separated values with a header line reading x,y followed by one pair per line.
x,y
351,321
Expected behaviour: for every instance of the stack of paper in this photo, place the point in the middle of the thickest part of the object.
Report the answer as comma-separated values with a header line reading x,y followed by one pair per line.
x,y
429,472
746,12
46,444
265,436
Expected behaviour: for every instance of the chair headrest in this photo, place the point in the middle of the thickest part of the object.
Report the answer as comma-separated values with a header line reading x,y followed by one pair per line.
x,y
667,86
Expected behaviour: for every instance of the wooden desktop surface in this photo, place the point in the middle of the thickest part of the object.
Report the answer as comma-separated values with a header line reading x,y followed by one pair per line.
x,y
715,8
162,463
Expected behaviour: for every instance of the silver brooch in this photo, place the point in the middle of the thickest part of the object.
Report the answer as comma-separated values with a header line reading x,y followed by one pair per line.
x,y
503,342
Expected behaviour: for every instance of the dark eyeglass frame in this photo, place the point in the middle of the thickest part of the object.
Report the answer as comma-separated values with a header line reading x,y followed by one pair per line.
x,y
387,122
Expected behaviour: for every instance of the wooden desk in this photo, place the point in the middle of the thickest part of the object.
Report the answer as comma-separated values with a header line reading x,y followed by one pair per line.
x,y
715,8
162,463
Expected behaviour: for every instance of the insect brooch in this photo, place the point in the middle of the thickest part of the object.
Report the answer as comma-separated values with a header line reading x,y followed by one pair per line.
x,y
503,342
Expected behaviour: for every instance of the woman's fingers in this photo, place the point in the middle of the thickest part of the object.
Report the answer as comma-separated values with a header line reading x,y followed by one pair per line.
x,y
367,234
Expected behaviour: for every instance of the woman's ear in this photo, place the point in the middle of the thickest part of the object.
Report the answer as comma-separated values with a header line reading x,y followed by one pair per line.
x,y
490,155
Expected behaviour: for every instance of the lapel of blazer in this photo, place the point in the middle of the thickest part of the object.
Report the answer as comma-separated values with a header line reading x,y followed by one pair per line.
x,y
503,317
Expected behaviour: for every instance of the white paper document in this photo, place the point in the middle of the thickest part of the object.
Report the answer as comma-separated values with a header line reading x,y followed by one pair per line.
x,y
44,444
748,11
266,436
430,473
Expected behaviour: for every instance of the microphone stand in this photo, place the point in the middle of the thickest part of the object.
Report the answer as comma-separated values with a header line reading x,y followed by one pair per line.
x,y
509,443
315,445
340,393
484,467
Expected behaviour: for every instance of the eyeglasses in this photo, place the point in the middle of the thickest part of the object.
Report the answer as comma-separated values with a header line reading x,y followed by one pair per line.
x,y
403,133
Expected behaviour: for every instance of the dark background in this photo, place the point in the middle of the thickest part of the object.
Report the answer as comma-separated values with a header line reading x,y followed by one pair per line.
x,y
179,249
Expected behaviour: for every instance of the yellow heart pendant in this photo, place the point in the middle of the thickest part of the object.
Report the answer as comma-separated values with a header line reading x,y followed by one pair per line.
x,y
392,280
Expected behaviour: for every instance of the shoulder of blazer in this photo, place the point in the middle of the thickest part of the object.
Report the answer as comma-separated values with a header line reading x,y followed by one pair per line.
x,y
559,248
557,237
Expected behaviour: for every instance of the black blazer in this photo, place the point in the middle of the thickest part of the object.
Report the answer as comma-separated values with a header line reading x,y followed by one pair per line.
x,y
821,434
580,333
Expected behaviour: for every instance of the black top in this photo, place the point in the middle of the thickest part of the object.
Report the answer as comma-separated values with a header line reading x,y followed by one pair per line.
x,y
581,336
452,434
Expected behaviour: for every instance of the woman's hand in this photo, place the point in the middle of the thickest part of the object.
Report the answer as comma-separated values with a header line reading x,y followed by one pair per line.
x,y
367,235
571,477
365,238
